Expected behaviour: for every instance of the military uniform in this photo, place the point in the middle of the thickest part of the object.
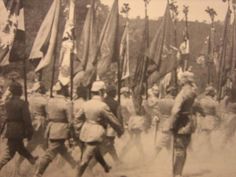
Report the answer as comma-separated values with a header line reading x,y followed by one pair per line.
x,y
17,126
163,138
97,116
37,106
57,132
77,106
228,122
181,121
209,106
108,144
127,108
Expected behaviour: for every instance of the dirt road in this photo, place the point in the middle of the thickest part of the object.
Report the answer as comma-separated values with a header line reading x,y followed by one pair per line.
x,y
200,162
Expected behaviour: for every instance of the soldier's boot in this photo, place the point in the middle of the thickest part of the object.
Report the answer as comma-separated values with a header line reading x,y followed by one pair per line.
x,y
41,167
100,159
180,158
6,157
81,169
33,160
114,155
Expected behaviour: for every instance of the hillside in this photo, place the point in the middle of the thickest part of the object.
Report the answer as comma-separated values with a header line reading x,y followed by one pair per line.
x,y
35,12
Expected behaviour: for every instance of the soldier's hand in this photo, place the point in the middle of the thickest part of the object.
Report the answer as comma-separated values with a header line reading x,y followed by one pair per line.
x,y
120,133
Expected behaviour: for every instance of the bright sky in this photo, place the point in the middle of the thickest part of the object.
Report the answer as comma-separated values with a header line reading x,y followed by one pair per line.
x,y
156,8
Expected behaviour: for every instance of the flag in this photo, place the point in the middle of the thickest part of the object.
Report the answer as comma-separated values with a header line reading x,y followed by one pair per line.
x,y
163,50
67,47
87,46
225,61
108,40
12,32
124,53
43,49
233,49
140,75
106,51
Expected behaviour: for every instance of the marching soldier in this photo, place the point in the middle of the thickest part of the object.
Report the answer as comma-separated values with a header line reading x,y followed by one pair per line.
x,y
209,122
181,121
17,127
228,122
81,93
127,105
165,105
97,116
108,145
37,105
57,132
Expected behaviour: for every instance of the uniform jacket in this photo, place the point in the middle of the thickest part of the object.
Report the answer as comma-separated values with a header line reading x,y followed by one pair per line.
x,y
115,109
165,107
77,123
59,115
37,103
209,106
181,115
97,115
18,121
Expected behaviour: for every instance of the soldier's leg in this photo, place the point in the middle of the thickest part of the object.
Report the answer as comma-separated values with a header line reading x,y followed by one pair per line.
x,y
103,151
181,143
67,156
8,151
87,155
112,150
52,151
138,143
101,160
21,149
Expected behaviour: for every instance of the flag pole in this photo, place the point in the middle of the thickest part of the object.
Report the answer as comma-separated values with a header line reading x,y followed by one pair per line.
x,y
212,13
118,61
25,78
146,2
72,19
24,68
186,35
222,56
174,10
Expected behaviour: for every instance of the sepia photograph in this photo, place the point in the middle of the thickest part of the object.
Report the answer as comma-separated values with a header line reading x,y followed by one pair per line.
x,y
117,88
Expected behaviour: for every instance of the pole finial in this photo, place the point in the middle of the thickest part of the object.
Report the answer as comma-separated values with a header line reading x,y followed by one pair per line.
x,y
125,9
212,13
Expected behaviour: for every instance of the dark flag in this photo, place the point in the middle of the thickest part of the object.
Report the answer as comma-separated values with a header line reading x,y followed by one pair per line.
x,y
163,48
87,46
43,49
140,75
107,50
232,60
12,32
124,53
225,59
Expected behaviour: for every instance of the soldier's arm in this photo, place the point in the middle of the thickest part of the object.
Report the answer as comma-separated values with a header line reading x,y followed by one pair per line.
x,y
113,121
79,119
69,111
197,108
176,109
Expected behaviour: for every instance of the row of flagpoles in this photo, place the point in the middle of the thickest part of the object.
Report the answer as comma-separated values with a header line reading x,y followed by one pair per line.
x,y
88,59
83,62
